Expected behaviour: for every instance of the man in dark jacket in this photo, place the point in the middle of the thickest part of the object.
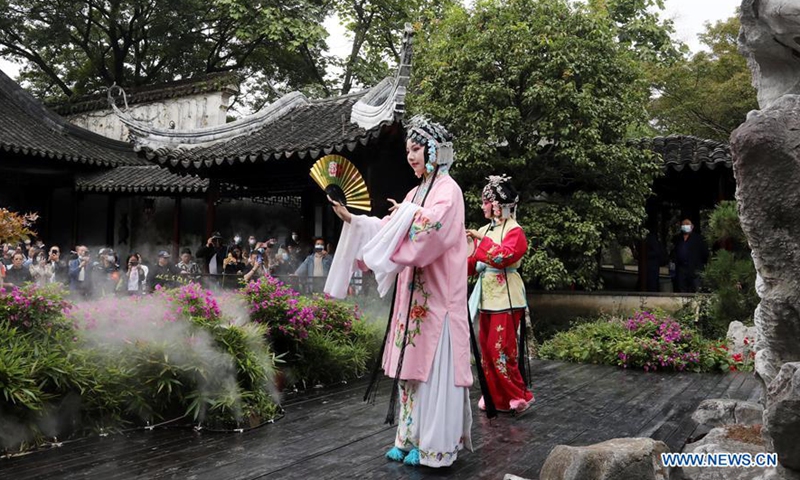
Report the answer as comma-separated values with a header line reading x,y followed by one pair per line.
x,y
690,254
164,273
213,254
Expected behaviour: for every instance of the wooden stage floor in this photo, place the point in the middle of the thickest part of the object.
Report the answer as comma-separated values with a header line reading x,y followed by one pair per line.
x,y
332,434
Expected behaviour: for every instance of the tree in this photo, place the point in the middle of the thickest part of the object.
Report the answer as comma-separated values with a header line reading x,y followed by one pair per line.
x,y
708,94
74,47
15,227
544,91
376,27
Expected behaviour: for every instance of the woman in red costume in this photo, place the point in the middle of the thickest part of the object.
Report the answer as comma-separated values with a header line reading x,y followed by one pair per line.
x,y
498,299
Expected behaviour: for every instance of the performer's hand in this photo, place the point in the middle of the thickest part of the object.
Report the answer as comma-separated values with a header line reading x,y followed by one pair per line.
x,y
475,234
394,206
340,210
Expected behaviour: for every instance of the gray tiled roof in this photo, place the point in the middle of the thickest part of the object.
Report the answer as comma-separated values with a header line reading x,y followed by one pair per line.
x,y
291,126
681,151
214,82
305,130
140,179
27,127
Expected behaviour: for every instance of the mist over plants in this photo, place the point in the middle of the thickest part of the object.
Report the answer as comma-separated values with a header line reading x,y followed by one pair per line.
x,y
185,356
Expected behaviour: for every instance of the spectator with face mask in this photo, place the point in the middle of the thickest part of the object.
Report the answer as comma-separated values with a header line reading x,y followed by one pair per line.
x,y
250,247
16,274
134,282
316,266
282,264
690,255
106,272
80,273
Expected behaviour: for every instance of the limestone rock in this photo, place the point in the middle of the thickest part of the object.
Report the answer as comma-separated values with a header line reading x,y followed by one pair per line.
x,y
725,411
770,40
741,339
717,441
616,459
782,416
766,160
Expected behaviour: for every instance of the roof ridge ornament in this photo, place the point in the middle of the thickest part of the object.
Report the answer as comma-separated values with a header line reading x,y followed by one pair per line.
x,y
386,102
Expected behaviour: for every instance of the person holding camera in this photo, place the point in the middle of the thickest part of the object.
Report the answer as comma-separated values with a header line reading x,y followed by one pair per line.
x,y
213,254
134,282
59,267
258,267
40,269
80,273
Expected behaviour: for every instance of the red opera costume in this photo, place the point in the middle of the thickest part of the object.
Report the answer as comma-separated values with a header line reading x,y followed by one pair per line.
x,y
499,304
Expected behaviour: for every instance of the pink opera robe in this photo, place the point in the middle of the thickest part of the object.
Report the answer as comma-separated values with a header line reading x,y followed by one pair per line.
x,y
436,246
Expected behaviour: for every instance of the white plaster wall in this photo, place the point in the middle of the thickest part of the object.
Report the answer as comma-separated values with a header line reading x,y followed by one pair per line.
x,y
188,113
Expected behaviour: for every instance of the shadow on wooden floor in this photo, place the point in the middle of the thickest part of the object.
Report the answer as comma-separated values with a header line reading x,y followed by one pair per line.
x,y
332,434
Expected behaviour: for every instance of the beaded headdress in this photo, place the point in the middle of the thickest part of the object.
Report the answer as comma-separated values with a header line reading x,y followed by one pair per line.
x,y
433,136
501,194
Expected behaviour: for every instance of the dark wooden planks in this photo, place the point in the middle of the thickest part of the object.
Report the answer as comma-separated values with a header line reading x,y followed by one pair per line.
x,y
331,434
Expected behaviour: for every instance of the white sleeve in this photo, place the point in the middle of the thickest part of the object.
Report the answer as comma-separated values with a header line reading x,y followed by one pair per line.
x,y
378,252
355,235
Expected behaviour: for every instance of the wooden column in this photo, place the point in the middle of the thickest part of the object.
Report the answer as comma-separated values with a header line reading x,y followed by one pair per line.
x,y
76,224
211,206
111,219
642,265
176,229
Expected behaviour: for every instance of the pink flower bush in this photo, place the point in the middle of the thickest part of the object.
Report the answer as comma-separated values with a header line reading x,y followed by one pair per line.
x,y
32,307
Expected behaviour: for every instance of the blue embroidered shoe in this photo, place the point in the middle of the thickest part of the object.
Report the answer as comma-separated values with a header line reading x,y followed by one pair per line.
x,y
412,458
395,454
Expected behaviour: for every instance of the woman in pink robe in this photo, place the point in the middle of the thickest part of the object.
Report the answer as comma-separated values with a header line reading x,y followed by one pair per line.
x,y
421,244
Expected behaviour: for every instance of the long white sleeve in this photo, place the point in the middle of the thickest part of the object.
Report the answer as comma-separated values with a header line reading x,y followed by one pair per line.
x,y
355,235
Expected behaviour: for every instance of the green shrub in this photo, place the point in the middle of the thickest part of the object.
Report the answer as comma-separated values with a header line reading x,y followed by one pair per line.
x,y
642,341
730,274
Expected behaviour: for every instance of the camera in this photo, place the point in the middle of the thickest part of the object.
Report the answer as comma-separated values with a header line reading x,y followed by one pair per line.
x,y
260,254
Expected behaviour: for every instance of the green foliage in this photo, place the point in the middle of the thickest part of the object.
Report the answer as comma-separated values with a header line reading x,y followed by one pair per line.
x,y
730,274
724,226
120,362
139,42
322,340
376,28
643,341
330,356
708,94
732,280
544,91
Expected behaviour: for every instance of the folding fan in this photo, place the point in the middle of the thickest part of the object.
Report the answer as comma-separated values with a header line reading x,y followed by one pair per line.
x,y
341,181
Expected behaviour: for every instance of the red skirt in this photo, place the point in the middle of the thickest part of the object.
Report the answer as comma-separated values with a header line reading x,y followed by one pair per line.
x,y
498,343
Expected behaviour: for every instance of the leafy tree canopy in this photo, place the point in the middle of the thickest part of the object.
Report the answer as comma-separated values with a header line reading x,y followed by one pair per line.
x,y
75,47
708,94
545,91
